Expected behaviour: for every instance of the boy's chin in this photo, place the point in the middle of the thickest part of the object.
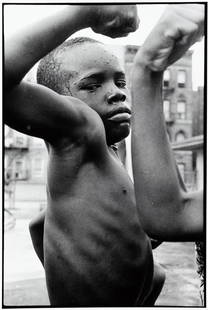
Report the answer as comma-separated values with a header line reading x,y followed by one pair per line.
x,y
118,135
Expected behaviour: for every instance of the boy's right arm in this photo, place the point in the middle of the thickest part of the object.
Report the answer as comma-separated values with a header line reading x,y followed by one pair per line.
x,y
37,110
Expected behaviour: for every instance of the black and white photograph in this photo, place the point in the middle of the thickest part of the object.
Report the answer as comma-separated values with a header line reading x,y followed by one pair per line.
x,y
104,140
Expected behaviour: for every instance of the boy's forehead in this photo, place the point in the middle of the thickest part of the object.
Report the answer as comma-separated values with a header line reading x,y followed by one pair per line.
x,y
88,56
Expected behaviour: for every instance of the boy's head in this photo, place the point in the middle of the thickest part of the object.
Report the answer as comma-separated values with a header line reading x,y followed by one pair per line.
x,y
50,72
85,69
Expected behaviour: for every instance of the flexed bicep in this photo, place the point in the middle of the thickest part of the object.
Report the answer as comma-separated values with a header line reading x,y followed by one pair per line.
x,y
38,111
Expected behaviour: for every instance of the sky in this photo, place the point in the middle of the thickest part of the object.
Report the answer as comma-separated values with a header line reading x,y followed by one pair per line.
x,y
19,16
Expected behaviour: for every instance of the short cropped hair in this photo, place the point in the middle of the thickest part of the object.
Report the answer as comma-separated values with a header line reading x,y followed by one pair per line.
x,y
49,71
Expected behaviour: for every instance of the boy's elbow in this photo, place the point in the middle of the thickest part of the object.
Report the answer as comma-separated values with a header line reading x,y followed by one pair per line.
x,y
153,231
12,76
151,224
164,222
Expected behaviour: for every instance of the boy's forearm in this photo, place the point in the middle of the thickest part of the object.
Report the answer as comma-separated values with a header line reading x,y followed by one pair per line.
x,y
28,46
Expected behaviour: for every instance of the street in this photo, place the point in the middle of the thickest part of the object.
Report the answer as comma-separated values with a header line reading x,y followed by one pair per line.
x,y
24,282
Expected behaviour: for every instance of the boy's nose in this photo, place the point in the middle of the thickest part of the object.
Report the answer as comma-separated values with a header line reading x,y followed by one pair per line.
x,y
116,97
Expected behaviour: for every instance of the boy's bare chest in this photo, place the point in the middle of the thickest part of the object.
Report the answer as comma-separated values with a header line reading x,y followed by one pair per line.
x,y
93,225
93,191
95,201
100,195
72,176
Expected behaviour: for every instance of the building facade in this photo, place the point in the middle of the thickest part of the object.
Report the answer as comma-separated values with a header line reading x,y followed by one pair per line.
x,y
196,145
198,112
25,161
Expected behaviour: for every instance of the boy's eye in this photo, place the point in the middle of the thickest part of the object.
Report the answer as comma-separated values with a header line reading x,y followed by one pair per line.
x,y
91,87
121,83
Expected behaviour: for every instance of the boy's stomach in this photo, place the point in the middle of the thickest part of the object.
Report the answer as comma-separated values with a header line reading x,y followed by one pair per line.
x,y
96,253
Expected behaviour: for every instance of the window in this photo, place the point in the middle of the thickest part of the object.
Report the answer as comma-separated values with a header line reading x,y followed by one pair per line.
x,y
181,109
166,78
19,140
180,136
181,78
38,167
19,169
166,109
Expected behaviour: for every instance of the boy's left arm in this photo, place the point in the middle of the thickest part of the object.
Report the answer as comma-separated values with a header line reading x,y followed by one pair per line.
x,y
167,211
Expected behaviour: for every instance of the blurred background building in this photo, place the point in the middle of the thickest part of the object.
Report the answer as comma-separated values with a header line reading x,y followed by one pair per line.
x,y
25,164
25,157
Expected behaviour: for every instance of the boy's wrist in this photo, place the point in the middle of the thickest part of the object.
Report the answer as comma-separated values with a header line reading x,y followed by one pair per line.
x,y
87,15
142,61
143,71
83,15
145,59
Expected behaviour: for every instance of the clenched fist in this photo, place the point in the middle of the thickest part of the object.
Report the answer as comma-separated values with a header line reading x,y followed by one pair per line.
x,y
179,27
114,20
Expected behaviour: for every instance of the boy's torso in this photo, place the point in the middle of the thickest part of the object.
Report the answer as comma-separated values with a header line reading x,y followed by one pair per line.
x,y
92,233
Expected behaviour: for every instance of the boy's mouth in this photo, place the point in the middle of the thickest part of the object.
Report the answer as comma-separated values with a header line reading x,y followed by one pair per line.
x,y
120,115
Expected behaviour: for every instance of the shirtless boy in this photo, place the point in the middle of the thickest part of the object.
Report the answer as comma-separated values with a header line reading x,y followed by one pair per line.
x,y
95,251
